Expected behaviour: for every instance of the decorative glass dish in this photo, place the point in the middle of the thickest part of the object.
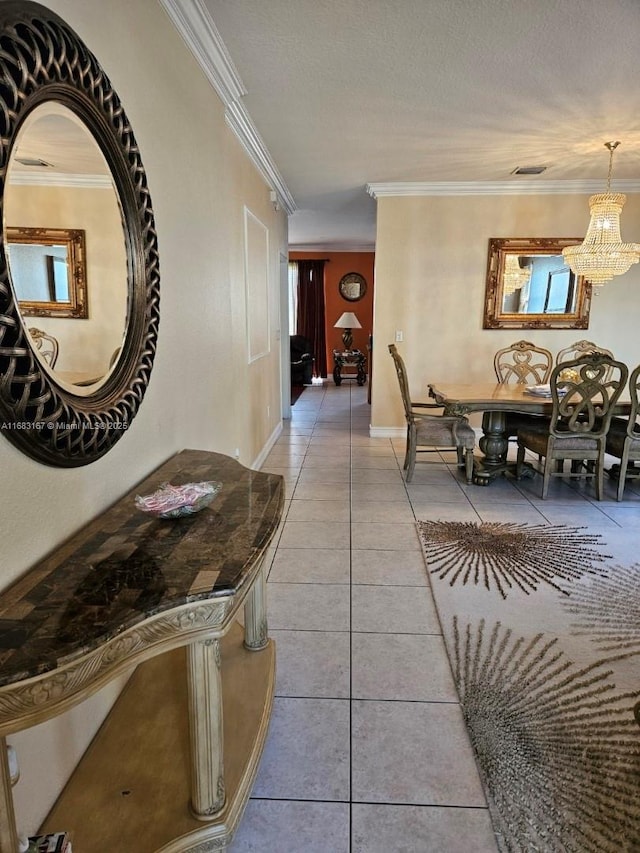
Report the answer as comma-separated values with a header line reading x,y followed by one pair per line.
x,y
178,501
543,390
538,390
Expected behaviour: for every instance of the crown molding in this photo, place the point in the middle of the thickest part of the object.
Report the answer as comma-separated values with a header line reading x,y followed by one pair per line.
x,y
332,247
59,179
194,23
453,188
240,123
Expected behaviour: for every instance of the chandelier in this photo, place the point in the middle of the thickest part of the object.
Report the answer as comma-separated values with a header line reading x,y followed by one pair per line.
x,y
602,254
515,276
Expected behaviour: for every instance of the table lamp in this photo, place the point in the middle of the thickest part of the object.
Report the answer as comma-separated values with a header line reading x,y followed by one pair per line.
x,y
347,321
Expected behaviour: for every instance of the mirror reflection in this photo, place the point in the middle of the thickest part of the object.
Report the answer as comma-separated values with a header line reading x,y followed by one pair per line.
x,y
541,284
529,285
48,271
59,184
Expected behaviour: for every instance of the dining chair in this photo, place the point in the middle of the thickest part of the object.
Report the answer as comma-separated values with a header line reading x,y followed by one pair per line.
x,y
580,418
522,363
623,438
46,344
429,433
578,349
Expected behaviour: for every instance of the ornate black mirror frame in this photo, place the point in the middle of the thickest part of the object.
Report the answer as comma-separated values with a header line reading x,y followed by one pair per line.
x,y
501,250
42,59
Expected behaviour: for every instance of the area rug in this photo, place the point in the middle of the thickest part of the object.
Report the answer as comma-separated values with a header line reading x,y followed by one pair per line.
x,y
542,628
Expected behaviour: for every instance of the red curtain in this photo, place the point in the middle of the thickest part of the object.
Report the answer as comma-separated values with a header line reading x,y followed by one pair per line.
x,y
311,311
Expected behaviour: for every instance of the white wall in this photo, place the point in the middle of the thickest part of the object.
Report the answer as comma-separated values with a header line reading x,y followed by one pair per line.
x,y
203,393
431,259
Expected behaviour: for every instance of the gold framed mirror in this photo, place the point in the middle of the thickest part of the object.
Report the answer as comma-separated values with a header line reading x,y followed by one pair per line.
x,y
530,286
49,77
48,271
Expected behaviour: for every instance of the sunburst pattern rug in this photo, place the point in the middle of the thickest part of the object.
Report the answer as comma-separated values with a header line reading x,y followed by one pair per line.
x,y
543,633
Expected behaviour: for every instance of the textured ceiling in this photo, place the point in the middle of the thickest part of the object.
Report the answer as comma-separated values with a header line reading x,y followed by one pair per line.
x,y
54,134
350,92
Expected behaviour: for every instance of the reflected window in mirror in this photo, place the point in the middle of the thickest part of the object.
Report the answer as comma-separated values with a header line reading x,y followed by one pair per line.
x,y
529,285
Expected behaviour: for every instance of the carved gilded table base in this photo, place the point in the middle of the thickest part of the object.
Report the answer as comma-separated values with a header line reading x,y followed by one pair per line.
x,y
130,791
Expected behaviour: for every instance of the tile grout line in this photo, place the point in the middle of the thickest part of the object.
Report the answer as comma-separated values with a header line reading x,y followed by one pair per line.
x,y
349,841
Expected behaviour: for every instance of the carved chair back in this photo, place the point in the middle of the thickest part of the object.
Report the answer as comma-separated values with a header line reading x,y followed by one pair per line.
x,y
634,393
580,348
46,344
403,381
523,363
583,405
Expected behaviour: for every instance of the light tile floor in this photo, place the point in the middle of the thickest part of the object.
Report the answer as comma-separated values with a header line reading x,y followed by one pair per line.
x,y
367,751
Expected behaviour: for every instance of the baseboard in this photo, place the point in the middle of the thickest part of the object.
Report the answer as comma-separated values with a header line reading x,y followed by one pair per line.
x,y
387,432
258,462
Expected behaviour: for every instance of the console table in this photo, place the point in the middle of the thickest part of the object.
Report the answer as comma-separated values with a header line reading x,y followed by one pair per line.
x,y
352,358
172,767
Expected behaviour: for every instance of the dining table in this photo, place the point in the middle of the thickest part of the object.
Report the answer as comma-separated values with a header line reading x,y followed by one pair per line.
x,y
494,400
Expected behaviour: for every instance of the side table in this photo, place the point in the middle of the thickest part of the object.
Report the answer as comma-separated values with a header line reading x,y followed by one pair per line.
x,y
188,730
350,358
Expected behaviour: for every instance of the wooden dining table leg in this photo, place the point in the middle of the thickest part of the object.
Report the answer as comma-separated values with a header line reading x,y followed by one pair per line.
x,y
494,445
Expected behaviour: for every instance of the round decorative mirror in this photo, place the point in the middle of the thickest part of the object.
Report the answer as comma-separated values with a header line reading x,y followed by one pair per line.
x,y
79,280
352,286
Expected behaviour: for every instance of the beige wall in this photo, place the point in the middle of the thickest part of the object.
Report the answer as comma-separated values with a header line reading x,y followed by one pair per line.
x,y
431,256
202,391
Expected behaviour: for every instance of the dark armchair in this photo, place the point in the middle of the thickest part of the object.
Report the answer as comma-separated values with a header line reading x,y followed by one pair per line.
x,y
301,360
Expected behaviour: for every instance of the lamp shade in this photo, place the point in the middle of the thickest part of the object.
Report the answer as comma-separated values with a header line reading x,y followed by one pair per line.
x,y
348,320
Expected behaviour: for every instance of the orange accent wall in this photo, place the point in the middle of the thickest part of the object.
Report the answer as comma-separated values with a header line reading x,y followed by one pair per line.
x,y
339,264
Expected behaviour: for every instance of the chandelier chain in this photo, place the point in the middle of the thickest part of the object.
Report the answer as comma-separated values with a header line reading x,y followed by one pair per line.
x,y
612,147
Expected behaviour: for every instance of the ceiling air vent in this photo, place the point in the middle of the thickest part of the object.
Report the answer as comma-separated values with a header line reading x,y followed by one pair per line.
x,y
529,170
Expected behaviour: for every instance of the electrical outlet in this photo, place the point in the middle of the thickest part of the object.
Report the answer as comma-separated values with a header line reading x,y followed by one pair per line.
x,y
399,336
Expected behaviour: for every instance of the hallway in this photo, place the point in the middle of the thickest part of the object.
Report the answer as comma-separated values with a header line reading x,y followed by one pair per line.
x,y
367,750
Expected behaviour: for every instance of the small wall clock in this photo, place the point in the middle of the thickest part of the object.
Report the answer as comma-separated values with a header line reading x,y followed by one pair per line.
x,y
352,286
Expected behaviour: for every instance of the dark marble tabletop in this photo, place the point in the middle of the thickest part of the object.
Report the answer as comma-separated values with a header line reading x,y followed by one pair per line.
x,y
126,566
